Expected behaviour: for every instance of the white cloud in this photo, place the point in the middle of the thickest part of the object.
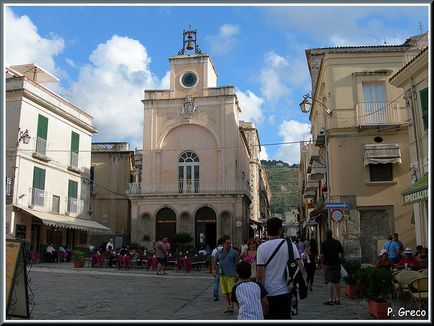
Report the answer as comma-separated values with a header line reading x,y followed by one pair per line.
x,y
165,81
225,40
292,131
273,77
263,155
24,45
111,86
251,106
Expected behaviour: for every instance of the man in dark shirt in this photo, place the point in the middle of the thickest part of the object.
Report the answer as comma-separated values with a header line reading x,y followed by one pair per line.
x,y
331,255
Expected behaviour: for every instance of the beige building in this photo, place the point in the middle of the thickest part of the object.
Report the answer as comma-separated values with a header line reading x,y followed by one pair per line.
x,y
413,78
48,143
196,161
359,124
112,171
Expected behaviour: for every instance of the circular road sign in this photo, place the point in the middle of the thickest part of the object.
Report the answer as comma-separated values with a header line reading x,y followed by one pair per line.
x,y
337,215
238,223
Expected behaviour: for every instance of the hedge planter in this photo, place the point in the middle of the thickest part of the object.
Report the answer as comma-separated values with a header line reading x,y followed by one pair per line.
x,y
78,264
351,290
378,309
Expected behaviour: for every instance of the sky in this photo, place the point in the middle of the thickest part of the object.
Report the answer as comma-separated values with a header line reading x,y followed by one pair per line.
x,y
105,56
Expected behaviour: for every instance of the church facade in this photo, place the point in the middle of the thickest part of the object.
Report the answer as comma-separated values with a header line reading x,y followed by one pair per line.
x,y
195,175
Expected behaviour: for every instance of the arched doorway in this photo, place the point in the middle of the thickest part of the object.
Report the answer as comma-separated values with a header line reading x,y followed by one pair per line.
x,y
205,227
165,223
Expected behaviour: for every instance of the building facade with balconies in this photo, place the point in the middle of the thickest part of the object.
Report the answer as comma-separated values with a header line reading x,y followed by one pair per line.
x,y
47,172
359,125
195,168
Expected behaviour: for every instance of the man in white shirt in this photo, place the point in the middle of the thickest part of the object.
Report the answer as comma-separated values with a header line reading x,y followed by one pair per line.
x,y
272,275
217,277
110,245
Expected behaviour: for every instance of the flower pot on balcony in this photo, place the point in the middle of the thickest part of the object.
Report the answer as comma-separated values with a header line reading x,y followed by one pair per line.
x,y
378,309
351,290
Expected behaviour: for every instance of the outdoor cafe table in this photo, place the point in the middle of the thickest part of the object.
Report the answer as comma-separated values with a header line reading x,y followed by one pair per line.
x,y
123,261
97,260
184,263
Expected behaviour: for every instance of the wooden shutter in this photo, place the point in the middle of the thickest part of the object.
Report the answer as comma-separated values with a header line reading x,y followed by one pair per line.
x,y
38,178
424,106
75,142
42,126
72,189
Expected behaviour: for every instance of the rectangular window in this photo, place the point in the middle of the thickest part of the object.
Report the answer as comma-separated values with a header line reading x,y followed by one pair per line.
x,y
20,231
72,196
75,144
381,172
38,190
374,103
424,106
41,140
54,235
56,204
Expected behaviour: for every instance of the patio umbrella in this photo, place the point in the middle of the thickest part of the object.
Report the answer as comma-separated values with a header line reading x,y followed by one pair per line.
x,y
35,73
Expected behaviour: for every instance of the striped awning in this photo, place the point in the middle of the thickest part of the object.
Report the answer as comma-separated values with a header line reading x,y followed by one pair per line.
x,y
381,154
68,221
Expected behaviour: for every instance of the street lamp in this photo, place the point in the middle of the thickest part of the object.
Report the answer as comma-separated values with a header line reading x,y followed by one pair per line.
x,y
305,107
23,136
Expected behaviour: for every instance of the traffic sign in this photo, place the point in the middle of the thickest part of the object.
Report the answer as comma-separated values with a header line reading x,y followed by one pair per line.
x,y
337,214
337,205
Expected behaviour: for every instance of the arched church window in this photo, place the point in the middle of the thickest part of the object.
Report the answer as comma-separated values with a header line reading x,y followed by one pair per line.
x,y
188,172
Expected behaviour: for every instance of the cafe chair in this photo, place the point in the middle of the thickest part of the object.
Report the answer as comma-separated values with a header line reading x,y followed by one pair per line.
x,y
418,289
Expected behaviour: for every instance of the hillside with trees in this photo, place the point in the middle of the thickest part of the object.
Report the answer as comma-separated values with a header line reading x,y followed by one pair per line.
x,y
283,184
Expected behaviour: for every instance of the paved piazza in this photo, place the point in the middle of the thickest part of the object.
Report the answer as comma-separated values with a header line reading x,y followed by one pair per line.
x,y
62,292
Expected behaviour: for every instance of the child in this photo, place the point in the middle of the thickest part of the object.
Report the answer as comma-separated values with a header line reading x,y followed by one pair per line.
x,y
251,297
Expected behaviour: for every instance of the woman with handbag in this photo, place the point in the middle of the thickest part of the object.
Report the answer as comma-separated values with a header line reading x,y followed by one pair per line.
x,y
309,261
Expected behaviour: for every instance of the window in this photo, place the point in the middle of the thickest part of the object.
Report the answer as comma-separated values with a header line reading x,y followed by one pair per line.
x,y
75,144
56,204
54,235
188,172
374,102
381,172
424,106
41,140
38,190
72,196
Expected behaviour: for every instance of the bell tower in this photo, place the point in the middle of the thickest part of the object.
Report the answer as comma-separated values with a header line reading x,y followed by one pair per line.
x,y
191,74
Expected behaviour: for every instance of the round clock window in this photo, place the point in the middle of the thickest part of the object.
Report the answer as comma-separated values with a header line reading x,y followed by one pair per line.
x,y
189,79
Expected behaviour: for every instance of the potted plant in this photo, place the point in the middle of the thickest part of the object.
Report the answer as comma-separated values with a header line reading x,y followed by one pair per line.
x,y
377,289
78,258
352,283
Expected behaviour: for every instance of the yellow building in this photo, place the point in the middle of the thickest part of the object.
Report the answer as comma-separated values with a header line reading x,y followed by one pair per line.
x,y
359,164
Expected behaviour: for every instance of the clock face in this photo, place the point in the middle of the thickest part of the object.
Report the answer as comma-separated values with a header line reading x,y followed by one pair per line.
x,y
189,79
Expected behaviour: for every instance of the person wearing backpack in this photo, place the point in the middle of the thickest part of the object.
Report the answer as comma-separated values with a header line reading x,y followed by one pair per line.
x,y
271,262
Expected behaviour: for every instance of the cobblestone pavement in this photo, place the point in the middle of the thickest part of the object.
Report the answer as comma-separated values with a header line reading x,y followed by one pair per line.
x,y
62,292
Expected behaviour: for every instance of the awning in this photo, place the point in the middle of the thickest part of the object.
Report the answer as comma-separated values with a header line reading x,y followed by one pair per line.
x,y
68,222
418,191
381,154
317,171
311,184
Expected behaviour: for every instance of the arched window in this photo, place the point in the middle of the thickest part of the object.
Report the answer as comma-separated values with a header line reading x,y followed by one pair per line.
x,y
188,172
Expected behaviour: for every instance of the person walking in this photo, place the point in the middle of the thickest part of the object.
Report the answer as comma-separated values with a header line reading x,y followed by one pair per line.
x,y
251,297
393,250
309,262
216,270
227,260
160,255
271,260
332,254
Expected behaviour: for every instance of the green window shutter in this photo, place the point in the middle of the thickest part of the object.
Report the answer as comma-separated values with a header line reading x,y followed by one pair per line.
x,y
42,126
38,178
424,106
72,189
75,142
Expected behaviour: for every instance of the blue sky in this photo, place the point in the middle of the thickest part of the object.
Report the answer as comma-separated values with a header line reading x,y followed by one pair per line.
x,y
106,56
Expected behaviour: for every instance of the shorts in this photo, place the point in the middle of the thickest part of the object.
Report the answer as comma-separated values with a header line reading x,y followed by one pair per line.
x,y
163,261
332,273
226,283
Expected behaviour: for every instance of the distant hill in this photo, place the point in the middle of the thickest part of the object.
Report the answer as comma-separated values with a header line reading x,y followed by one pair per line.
x,y
283,185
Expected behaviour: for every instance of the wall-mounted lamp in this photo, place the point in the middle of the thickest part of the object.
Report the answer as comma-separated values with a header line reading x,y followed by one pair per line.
x,y
23,136
305,105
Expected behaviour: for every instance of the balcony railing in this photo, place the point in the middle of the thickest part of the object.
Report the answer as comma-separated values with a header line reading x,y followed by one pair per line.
x,y
39,198
195,187
75,206
74,160
377,113
41,146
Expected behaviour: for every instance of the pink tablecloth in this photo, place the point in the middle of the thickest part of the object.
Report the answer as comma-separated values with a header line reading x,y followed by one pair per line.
x,y
150,262
97,260
123,261
61,256
184,264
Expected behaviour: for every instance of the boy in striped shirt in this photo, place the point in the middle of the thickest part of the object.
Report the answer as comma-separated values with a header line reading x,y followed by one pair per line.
x,y
251,297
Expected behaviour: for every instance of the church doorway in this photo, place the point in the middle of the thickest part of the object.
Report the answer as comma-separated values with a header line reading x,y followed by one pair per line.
x,y
205,228
165,223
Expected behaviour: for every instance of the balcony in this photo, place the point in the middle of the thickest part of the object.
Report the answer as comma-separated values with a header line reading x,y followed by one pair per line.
x,y
39,199
73,163
41,150
75,206
196,187
377,114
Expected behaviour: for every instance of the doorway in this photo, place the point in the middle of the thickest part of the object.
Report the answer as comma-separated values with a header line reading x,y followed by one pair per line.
x,y
205,226
165,223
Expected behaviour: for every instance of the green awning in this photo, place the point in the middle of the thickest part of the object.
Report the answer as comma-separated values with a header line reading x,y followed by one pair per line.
x,y
417,191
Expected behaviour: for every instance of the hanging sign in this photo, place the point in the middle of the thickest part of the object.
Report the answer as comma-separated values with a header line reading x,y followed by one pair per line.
x,y
337,215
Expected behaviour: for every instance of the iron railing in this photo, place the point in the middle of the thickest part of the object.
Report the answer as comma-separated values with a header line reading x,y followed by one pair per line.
x,y
377,113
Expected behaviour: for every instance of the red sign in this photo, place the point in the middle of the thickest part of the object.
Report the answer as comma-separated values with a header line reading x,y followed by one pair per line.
x,y
337,215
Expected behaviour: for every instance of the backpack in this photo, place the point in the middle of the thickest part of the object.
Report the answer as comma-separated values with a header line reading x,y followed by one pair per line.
x,y
293,276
